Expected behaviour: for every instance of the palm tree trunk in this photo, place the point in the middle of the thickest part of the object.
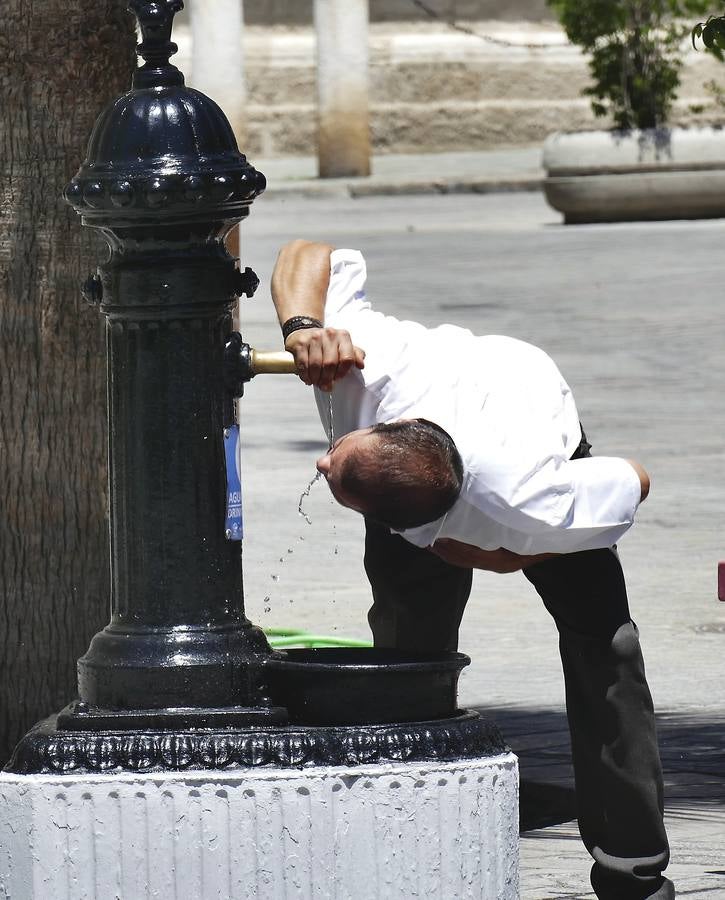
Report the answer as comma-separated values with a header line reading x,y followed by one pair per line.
x,y
60,64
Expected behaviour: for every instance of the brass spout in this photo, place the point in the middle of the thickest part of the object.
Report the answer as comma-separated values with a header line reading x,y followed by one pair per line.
x,y
272,362
242,363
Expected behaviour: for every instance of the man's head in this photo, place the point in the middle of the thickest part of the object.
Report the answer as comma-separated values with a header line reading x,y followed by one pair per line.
x,y
402,474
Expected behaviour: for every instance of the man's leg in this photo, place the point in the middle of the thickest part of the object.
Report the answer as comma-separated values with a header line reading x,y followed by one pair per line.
x,y
611,720
418,600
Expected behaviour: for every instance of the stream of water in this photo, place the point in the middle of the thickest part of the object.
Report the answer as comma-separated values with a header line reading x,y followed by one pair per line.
x,y
267,602
331,440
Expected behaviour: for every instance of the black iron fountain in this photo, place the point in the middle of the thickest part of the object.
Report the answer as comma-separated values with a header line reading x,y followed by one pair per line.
x,y
180,682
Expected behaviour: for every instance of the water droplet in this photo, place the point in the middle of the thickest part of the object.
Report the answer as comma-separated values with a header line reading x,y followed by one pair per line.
x,y
281,559
304,495
275,578
268,609
290,550
331,420
336,551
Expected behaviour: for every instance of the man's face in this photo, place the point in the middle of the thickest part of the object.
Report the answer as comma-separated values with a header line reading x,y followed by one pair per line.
x,y
331,464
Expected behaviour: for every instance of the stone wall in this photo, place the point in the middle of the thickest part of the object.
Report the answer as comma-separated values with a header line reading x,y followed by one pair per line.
x,y
433,89
299,12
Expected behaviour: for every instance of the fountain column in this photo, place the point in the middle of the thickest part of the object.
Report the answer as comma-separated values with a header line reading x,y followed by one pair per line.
x,y
164,182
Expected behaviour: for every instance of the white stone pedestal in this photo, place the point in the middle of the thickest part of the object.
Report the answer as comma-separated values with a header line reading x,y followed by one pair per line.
x,y
394,830
656,173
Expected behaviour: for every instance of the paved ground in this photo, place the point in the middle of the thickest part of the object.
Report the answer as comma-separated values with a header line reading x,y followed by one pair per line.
x,y
632,315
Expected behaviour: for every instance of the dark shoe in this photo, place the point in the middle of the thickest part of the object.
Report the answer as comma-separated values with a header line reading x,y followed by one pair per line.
x,y
612,887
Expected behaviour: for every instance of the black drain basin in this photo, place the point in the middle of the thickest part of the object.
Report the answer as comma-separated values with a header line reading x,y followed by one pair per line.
x,y
360,686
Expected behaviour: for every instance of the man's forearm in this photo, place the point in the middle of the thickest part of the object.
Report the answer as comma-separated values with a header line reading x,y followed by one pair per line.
x,y
470,557
643,475
300,280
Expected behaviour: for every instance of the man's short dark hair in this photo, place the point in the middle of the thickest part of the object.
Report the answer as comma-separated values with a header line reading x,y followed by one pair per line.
x,y
413,476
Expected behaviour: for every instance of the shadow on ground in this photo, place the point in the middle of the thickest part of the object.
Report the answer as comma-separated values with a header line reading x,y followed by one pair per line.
x,y
317,447
692,746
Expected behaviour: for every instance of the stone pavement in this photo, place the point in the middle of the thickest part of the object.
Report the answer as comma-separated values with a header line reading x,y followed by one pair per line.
x,y
632,314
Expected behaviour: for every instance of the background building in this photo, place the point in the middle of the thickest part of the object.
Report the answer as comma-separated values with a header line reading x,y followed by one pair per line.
x,y
433,87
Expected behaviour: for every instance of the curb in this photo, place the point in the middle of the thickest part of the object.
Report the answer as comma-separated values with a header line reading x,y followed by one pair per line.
x,y
359,188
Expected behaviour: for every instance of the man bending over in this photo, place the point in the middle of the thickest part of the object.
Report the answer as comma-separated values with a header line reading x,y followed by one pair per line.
x,y
466,452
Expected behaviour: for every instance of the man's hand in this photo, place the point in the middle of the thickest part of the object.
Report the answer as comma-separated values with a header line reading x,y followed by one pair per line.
x,y
323,355
469,557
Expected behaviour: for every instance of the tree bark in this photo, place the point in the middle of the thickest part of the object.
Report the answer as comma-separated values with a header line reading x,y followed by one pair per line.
x,y
60,64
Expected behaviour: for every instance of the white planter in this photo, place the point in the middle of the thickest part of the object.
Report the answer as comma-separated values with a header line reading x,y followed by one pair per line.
x,y
615,176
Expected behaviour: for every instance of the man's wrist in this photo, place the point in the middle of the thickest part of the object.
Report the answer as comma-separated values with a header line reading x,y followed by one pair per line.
x,y
297,323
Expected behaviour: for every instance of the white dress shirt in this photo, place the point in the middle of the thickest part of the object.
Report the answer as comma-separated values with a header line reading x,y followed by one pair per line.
x,y
510,413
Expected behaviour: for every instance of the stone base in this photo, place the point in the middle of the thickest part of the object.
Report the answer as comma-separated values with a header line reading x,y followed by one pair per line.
x,y
646,197
614,176
391,830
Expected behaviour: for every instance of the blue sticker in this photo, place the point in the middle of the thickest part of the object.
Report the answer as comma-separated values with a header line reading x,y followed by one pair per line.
x,y
233,525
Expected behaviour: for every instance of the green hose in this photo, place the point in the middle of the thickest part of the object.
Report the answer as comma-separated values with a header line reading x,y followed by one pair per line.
x,y
292,637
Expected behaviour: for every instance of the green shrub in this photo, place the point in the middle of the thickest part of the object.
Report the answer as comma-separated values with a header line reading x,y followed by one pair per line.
x,y
712,33
635,53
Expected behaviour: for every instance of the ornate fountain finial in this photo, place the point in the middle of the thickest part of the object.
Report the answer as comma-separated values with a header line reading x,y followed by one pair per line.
x,y
155,18
162,151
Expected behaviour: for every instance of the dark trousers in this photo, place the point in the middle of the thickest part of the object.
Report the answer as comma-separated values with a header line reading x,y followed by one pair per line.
x,y
418,602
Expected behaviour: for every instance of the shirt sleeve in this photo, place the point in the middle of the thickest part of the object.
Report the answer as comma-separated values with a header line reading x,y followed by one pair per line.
x,y
346,290
355,399
388,343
